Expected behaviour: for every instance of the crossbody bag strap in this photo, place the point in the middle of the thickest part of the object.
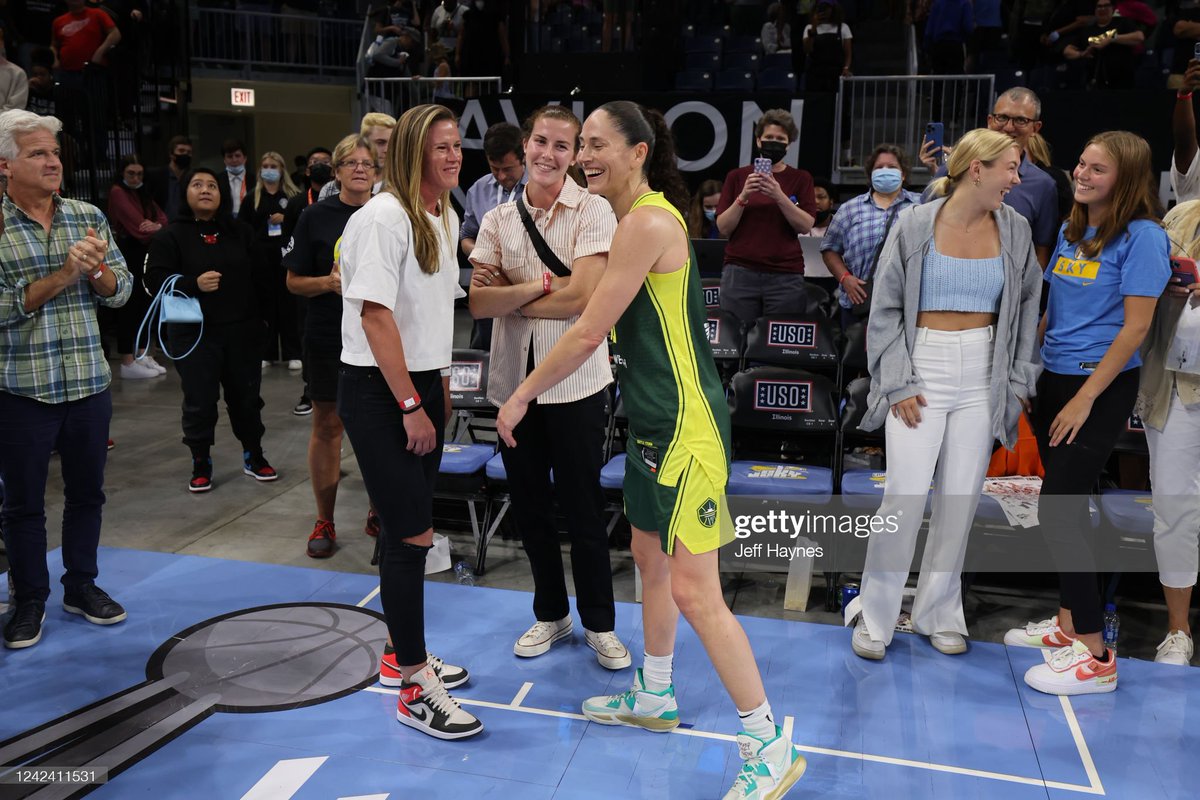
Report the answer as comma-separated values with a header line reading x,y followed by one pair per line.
x,y
879,247
552,262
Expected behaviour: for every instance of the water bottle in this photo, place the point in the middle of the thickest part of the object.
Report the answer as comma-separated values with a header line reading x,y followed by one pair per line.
x,y
464,574
1112,626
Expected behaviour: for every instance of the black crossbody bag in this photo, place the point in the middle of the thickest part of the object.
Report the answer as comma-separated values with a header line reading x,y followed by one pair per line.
x,y
552,262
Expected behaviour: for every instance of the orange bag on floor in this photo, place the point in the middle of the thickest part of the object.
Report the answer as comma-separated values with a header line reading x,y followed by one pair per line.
x,y
1022,460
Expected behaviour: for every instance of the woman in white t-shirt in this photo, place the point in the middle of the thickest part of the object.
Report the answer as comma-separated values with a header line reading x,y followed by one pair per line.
x,y
399,282
827,43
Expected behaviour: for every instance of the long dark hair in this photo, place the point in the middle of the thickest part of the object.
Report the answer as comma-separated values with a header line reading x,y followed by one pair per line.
x,y
637,124
142,192
698,224
185,210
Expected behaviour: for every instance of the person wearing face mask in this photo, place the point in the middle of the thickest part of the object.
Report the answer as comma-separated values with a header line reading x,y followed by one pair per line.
x,y
235,181
952,353
263,210
702,213
824,191
857,231
165,181
214,255
135,218
761,213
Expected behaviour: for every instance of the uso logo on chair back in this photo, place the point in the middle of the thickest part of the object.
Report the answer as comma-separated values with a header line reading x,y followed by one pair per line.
x,y
795,341
468,379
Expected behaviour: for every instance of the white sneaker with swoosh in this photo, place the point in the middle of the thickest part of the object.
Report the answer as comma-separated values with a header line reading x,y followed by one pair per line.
x,y
427,706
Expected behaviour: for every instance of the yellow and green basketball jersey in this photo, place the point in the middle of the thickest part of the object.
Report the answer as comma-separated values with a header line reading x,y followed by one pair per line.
x,y
668,379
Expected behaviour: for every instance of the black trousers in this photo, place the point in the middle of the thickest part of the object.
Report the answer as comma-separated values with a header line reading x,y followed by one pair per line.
x,y
567,438
400,485
226,359
277,306
29,430
1071,473
130,315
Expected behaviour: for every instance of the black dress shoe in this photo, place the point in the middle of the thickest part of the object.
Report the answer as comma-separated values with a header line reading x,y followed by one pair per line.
x,y
24,629
93,604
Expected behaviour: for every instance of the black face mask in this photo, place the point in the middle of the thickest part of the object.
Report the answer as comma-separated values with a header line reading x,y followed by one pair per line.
x,y
320,173
822,219
182,160
773,150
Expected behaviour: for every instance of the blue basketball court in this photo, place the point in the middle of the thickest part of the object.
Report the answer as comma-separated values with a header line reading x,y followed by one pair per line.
x,y
917,725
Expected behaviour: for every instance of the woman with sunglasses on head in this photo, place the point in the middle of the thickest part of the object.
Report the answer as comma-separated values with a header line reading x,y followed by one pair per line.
x,y
399,282
312,272
563,434
650,298
1106,275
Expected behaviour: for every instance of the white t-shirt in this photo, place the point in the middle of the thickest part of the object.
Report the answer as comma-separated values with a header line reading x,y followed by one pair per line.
x,y
1186,186
379,263
827,28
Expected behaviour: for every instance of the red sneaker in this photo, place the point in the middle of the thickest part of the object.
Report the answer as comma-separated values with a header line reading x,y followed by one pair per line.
x,y
323,540
373,527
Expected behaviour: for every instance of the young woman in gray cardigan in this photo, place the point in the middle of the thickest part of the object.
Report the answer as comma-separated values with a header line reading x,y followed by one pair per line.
x,y
951,346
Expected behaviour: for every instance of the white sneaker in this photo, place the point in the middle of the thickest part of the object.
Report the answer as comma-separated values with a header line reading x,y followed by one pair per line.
x,y
864,645
1176,649
137,372
541,636
1038,634
295,364
949,642
638,707
609,651
266,364
425,705
770,769
1074,670
154,365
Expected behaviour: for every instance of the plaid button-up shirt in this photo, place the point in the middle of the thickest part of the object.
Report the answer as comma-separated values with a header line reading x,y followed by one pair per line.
x,y
53,353
856,230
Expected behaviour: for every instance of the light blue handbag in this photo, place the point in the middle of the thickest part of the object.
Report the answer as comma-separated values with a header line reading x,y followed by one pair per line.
x,y
174,307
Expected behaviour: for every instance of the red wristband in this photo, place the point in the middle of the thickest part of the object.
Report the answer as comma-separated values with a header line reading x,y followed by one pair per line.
x,y
739,201
546,278
845,275
411,404
99,271
1182,95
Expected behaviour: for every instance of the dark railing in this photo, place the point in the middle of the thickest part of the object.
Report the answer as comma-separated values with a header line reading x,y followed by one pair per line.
x,y
251,43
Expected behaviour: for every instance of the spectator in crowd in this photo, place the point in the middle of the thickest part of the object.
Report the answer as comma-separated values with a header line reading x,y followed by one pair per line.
x,y
989,27
1062,25
1108,47
444,23
1185,25
299,29
41,82
83,36
234,181
1018,113
1037,150
399,282
1110,267
952,353
828,44
761,213
702,213
947,31
311,261
824,193
214,254
318,173
1028,23
392,19
14,83
376,127
1169,405
563,433
167,181
135,219
1142,16
776,32
1185,163
482,41
397,56
504,183
300,173
263,210
54,389
855,237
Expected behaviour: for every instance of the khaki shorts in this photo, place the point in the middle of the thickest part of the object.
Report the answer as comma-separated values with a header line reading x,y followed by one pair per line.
x,y
693,511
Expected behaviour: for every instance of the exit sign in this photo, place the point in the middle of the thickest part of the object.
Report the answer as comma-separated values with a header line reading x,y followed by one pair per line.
x,y
243,97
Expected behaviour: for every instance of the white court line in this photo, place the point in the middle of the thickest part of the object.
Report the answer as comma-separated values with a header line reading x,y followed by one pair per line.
x,y
284,779
789,724
899,762
521,695
366,797
368,598
1085,755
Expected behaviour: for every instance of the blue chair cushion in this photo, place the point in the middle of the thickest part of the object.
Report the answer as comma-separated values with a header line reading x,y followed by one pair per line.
x,y
495,469
465,459
764,477
1129,510
613,474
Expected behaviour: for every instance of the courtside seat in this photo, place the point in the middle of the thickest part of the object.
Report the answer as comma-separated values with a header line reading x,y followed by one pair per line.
x,y
612,476
772,478
1129,511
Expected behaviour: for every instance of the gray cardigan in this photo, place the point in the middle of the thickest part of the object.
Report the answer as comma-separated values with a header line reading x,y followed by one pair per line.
x,y
892,324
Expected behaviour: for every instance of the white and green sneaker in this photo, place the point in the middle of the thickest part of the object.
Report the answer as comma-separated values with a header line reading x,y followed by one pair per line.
x,y
638,708
770,770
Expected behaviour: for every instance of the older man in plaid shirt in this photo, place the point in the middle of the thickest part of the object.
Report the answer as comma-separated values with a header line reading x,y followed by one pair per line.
x,y
55,269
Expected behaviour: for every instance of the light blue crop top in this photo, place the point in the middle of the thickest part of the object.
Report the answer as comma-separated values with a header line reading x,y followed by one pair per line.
x,y
961,284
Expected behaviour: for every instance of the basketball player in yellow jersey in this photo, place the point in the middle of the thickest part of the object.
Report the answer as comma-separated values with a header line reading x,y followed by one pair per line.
x,y
678,450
